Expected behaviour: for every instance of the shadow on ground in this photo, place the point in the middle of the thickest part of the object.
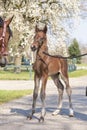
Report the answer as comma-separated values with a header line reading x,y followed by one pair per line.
x,y
49,110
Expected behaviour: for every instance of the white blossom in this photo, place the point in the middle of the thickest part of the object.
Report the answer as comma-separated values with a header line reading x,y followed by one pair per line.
x,y
59,15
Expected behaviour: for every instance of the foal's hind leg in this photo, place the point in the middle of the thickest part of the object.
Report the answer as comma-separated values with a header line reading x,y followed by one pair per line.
x,y
69,92
35,95
60,90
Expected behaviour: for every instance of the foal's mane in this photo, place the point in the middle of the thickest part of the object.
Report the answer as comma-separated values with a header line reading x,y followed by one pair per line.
x,y
1,25
1,22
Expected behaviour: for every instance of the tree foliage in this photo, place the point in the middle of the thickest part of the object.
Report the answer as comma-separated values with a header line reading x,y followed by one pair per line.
x,y
74,50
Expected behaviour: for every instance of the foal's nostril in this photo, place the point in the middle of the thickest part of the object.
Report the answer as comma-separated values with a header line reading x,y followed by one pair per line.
x,y
33,48
5,53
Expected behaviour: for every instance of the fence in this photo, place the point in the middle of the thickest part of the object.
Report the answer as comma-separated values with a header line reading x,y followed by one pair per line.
x,y
71,67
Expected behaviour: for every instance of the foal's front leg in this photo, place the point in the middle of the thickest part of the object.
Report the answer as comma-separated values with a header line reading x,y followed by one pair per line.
x,y
35,95
42,96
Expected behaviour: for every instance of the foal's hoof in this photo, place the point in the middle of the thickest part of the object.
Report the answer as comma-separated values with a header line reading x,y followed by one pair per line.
x,y
29,117
71,115
41,119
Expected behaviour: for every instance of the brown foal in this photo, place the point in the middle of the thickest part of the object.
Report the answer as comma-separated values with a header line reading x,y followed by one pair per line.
x,y
45,66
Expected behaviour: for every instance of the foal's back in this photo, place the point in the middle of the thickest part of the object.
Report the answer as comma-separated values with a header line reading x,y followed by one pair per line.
x,y
56,65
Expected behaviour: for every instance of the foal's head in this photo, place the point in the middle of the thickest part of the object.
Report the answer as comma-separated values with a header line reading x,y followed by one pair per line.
x,y
5,33
39,38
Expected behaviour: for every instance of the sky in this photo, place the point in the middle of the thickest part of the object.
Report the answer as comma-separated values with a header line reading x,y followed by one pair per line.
x,y
80,33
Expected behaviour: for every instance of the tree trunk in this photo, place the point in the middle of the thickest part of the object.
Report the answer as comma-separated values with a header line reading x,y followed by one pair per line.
x,y
17,63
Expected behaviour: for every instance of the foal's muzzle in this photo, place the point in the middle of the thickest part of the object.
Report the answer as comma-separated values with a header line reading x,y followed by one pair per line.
x,y
33,48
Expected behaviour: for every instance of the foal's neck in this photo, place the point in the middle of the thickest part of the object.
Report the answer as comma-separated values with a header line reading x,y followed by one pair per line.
x,y
43,48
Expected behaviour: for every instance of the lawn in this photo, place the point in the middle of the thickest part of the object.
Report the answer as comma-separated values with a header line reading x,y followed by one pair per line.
x,y
8,95
80,65
78,73
10,75
26,75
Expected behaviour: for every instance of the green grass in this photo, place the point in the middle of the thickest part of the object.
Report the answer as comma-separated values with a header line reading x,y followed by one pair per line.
x,y
80,65
25,75
10,75
78,73
8,95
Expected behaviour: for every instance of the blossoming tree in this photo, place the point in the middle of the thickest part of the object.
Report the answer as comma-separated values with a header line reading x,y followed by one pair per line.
x,y
59,15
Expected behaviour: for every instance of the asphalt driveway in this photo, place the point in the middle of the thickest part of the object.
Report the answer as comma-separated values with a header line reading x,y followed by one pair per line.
x,y
13,114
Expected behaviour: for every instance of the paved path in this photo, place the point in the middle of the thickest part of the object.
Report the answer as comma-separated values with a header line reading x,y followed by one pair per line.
x,y
13,114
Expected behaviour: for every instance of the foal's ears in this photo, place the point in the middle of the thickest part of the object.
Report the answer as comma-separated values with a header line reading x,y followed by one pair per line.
x,y
9,20
44,29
